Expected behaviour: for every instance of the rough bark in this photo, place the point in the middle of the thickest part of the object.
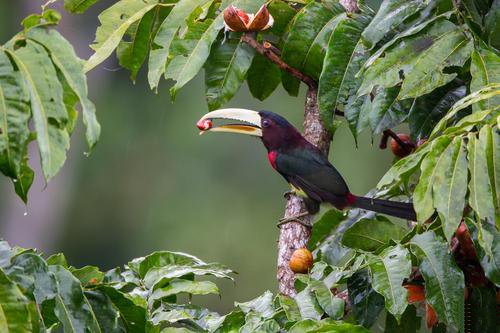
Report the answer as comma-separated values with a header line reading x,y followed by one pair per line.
x,y
294,235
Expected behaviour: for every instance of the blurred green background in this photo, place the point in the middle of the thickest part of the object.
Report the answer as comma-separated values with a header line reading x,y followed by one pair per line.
x,y
153,183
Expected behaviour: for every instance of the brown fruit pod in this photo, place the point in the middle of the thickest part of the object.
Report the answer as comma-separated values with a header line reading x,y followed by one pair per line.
x,y
233,21
301,261
261,20
398,150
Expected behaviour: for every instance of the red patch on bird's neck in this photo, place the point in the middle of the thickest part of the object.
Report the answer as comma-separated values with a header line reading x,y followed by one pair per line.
x,y
350,199
271,156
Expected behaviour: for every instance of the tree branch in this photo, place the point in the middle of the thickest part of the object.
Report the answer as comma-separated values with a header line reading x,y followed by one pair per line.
x,y
389,133
274,58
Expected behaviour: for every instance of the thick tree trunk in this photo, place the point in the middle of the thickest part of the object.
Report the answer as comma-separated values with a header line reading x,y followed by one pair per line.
x,y
294,235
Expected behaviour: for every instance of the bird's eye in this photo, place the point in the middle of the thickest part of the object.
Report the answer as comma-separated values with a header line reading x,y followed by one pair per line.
x,y
266,123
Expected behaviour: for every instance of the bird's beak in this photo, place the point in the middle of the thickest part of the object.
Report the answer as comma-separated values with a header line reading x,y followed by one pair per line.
x,y
250,122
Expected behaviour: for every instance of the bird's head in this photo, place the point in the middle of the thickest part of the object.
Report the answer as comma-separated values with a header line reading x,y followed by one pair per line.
x,y
274,130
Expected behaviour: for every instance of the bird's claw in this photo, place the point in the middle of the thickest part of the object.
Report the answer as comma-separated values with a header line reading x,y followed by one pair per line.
x,y
296,218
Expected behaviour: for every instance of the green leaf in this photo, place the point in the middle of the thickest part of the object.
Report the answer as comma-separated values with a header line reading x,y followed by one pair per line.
x,y
420,59
487,243
66,60
409,322
449,186
371,234
444,281
263,77
72,307
490,140
47,107
357,113
57,259
324,226
343,59
14,312
88,275
333,306
178,286
421,121
78,6
388,271
484,311
386,111
308,305
338,327
485,69
491,25
366,303
14,131
263,305
307,40
107,316
114,24
282,14
142,265
390,14
131,54
422,196
190,53
480,191
290,307
160,47
132,313
225,71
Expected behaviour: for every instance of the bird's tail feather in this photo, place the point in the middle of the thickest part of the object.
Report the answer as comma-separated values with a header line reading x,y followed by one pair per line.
x,y
402,210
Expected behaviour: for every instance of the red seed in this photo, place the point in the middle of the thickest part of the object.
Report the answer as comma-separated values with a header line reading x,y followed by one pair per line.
x,y
204,124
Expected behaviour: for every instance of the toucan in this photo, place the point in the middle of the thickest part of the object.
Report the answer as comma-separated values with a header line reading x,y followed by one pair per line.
x,y
302,164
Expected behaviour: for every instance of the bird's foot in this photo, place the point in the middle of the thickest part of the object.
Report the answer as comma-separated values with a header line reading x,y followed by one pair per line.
x,y
296,218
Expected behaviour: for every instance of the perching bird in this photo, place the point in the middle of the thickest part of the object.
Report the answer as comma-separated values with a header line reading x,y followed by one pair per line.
x,y
303,165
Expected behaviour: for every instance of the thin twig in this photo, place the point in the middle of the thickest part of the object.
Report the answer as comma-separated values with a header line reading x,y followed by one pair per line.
x,y
274,58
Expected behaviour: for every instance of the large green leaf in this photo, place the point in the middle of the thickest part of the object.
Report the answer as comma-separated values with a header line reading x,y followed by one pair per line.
x,y
487,243
78,6
263,305
225,71
333,306
160,46
47,106
14,312
160,259
66,60
444,281
14,131
480,190
107,316
449,186
491,24
371,234
178,286
418,61
422,196
324,226
343,59
263,77
72,307
427,110
388,271
386,112
490,141
131,310
131,54
308,305
308,38
390,14
357,112
365,301
190,52
485,69
114,24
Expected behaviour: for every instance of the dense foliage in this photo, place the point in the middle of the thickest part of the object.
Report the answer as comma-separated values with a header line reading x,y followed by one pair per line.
x,y
433,65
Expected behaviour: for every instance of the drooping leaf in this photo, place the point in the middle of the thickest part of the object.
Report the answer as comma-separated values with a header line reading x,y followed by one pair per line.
x,y
422,196
225,71
427,110
308,305
324,226
480,190
485,69
487,244
114,24
333,306
449,186
490,141
14,131
390,14
191,51
78,6
48,110
160,46
491,24
290,307
132,313
388,271
343,59
365,301
444,281
418,61
72,307
282,14
357,114
106,315
131,54
263,77
409,322
14,312
307,39
66,60
387,111
371,234
484,313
